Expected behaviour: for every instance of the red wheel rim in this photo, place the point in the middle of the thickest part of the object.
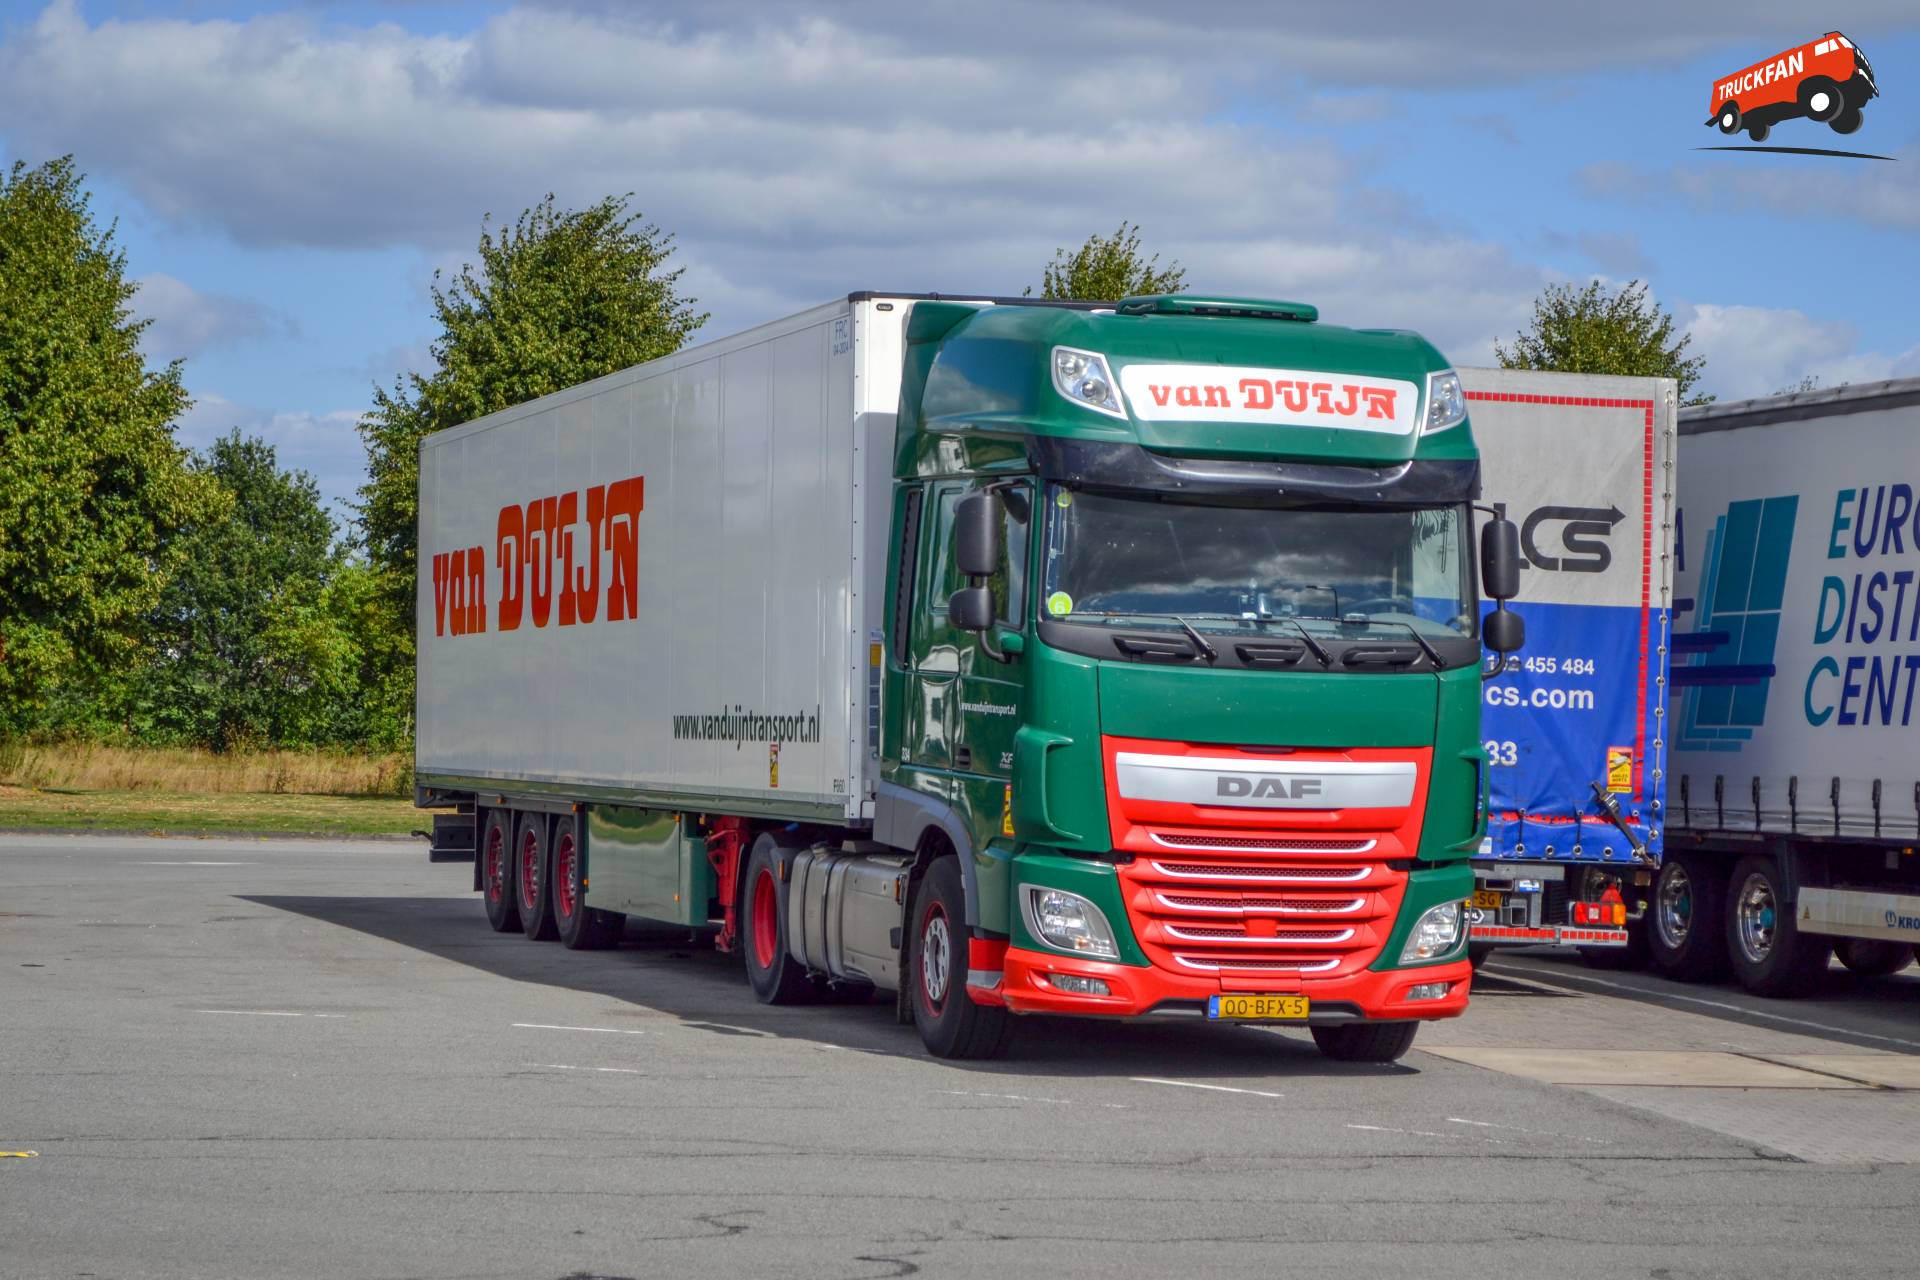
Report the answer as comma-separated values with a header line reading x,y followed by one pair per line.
x,y
529,870
496,865
566,894
936,976
766,920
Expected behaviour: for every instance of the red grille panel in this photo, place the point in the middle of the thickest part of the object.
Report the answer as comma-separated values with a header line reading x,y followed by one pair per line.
x,y
1258,844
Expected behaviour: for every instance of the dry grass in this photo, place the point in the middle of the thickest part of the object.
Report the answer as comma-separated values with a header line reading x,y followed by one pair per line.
x,y
185,771
174,813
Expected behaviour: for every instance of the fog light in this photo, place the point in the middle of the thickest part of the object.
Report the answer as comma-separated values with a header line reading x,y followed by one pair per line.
x,y
1075,985
1429,990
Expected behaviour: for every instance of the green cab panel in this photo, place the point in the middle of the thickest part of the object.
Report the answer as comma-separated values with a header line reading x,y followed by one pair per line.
x,y
640,863
1097,882
1427,887
1267,708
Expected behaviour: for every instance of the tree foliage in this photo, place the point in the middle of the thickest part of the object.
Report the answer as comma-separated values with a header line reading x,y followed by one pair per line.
x,y
93,487
246,647
1109,268
1594,329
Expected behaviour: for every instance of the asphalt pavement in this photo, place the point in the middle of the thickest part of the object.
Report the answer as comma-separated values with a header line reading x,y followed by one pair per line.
x,y
280,1058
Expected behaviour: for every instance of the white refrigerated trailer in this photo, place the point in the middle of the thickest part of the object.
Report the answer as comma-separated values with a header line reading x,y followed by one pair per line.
x,y
1795,740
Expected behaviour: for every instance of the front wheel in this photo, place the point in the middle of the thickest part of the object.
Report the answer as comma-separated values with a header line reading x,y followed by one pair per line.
x,y
1684,932
1821,99
951,1024
1769,954
1366,1041
1872,958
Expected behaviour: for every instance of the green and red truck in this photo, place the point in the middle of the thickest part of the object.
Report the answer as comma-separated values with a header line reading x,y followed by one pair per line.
x,y
1117,660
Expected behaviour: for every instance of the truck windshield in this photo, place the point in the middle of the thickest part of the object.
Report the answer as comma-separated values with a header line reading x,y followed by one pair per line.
x,y
1122,558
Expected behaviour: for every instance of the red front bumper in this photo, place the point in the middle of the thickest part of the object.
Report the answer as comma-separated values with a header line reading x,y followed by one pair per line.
x,y
1024,988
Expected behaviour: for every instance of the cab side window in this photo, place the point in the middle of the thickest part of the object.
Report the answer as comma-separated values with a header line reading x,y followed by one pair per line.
x,y
1009,582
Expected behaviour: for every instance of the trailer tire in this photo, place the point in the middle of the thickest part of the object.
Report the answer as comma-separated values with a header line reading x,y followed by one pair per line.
x,y
1769,954
772,972
1685,934
496,872
582,928
533,878
1873,957
951,1024
1365,1041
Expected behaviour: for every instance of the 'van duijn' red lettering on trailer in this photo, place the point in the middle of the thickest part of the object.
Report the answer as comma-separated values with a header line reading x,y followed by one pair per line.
x,y
549,564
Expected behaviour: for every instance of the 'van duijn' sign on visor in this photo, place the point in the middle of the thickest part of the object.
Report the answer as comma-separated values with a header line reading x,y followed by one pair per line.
x,y
1289,397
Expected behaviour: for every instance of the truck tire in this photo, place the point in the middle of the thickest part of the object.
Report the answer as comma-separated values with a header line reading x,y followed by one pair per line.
x,y
533,879
951,1024
1769,954
1685,937
772,972
1873,958
1366,1041
496,872
582,928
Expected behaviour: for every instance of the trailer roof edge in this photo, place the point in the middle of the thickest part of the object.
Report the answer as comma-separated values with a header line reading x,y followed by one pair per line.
x,y
1798,406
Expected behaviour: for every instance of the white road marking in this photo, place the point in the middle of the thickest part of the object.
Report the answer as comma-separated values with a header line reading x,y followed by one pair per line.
x,y
1722,1004
1217,1088
1539,1133
1380,1128
255,1013
196,864
620,1071
612,1031
1020,1097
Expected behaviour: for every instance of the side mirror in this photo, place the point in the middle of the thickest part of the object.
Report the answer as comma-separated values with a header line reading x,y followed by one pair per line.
x,y
976,536
1503,631
971,608
1500,560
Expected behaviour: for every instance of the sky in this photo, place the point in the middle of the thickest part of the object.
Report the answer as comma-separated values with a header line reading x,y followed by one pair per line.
x,y
287,179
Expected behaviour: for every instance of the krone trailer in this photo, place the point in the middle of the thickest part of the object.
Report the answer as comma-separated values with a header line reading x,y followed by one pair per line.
x,y
1117,660
1795,796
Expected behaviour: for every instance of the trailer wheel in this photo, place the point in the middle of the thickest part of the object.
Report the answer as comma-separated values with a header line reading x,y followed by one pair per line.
x,y
1769,954
496,872
532,878
1846,122
951,1024
1366,1041
1872,958
773,973
1730,118
1821,98
582,928
1684,932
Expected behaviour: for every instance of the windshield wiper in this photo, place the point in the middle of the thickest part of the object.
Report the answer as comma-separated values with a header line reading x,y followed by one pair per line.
x,y
1200,641
1432,653
1326,659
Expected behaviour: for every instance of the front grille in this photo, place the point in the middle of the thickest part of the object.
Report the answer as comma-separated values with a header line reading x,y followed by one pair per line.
x,y
1224,916
1260,844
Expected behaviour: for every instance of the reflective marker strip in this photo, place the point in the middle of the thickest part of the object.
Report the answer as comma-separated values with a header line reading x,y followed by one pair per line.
x,y
1561,937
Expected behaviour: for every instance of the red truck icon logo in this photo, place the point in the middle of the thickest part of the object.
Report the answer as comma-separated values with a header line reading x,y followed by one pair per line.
x,y
1827,80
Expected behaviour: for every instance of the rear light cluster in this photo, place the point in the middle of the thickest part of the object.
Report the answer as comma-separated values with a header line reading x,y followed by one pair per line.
x,y
1610,910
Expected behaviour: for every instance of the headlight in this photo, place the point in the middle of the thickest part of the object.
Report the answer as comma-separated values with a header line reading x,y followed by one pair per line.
x,y
1446,402
1437,934
1083,377
1069,922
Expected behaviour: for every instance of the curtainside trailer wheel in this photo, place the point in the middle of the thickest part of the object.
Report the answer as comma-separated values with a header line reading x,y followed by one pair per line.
x,y
951,1024
1769,954
496,872
1684,932
582,928
1873,958
533,879
1366,1041
772,972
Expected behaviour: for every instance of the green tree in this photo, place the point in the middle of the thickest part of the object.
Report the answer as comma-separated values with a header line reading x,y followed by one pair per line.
x,y
245,648
93,487
1594,329
559,298
1109,268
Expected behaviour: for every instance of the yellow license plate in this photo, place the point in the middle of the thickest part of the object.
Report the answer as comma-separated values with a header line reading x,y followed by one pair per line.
x,y
1487,899
1272,1007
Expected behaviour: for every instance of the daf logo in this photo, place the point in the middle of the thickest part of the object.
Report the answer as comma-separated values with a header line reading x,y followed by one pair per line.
x,y
1267,788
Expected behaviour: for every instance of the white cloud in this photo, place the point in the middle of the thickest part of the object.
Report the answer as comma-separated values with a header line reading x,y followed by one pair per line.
x,y
323,444
186,321
1756,351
